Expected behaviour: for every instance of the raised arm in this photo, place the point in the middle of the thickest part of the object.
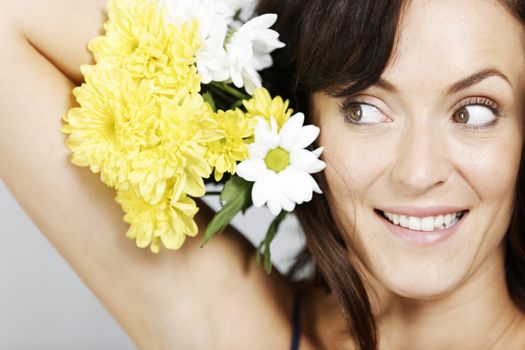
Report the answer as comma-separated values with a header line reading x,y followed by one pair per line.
x,y
190,298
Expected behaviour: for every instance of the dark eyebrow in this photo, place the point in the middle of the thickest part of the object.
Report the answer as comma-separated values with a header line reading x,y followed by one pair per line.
x,y
476,78
456,87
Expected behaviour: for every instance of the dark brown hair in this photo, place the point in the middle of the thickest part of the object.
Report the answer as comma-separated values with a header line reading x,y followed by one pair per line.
x,y
342,47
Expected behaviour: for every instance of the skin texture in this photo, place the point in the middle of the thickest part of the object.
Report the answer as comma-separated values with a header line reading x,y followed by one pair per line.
x,y
452,295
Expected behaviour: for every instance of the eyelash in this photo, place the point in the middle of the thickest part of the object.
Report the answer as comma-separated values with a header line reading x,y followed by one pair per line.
x,y
345,105
481,101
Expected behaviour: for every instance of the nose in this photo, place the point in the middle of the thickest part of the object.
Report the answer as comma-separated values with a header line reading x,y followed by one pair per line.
x,y
422,161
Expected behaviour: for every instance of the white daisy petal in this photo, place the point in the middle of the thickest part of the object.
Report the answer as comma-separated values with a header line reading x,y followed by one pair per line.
x,y
291,188
276,199
315,186
260,62
317,152
285,202
261,191
248,10
297,120
263,132
279,202
272,140
235,74
274,205
258,23
291,130
251,170
288,204
304,160
305,180
273,124
257,150
265,136
262,125
308,134
252,79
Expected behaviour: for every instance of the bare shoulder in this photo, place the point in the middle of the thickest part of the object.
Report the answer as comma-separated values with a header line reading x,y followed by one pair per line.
x,y
323,324
517,334
240,306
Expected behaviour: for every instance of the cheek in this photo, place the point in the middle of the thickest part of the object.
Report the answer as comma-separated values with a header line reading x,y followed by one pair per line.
x,y
353,164
490,169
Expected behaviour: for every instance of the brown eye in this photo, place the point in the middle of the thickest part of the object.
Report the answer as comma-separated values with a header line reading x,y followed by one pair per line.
x,y
355,112
461,116
360,113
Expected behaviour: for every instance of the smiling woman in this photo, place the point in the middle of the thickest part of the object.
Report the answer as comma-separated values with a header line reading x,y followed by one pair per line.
x,y
418,240
421,112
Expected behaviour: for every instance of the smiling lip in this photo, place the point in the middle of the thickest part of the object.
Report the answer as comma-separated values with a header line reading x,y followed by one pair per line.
x,y
422,239
422,212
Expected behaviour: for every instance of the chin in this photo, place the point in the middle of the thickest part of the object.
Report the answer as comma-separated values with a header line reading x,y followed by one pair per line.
x,y
433,282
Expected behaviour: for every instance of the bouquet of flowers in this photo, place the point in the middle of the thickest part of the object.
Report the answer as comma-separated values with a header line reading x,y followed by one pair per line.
x,y
175,97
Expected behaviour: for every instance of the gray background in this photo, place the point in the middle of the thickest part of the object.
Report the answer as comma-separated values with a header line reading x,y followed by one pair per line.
x,y
44,304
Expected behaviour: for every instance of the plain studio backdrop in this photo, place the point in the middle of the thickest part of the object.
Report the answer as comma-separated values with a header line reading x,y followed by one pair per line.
x,y
45,305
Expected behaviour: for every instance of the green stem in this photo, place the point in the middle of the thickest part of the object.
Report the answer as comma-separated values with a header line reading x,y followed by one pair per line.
x,y
230,90
222,99
270,235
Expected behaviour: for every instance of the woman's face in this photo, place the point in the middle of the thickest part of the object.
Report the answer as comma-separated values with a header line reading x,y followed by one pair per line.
x,y
429,142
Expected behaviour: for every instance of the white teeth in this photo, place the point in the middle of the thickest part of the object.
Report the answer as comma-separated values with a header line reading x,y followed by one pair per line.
x,y
448,219
403,220
438,221
396,219
429,223
414,223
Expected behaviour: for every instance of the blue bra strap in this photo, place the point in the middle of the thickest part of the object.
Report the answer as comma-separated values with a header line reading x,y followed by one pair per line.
x,y
296,323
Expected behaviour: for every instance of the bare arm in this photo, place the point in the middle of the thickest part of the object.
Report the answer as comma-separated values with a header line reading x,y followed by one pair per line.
x,y
165,300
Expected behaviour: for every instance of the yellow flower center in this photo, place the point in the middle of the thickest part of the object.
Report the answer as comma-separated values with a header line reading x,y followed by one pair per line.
x,y
277,159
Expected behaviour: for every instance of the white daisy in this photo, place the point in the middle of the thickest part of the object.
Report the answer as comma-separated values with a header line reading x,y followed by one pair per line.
x,y
280,165
249,51
231,50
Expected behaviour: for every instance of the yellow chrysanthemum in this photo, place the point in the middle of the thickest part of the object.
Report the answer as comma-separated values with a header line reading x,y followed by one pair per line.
x,y
167,221
113,122
140,38
262,105
141,122
177,151
223,154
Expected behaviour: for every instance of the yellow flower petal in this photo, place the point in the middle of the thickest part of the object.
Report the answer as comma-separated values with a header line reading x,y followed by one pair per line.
x,y
163,222
224,153
262,105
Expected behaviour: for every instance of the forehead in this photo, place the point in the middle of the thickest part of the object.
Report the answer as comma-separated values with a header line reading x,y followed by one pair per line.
x,y
441,40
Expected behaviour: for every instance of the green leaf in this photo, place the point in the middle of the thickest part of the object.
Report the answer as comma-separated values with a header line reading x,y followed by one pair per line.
x,y
270,235
234,186
235,196
208,97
